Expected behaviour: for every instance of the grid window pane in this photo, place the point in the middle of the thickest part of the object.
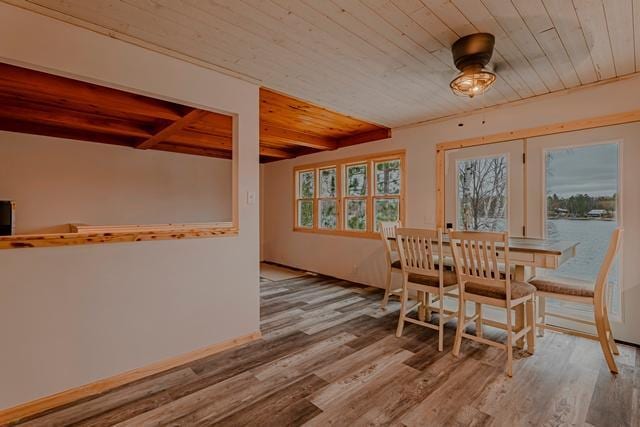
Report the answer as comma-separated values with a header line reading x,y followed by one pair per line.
x,y
388,177
482,194
328,218
386,210
306,183
305,213
357,180
328,182
356,216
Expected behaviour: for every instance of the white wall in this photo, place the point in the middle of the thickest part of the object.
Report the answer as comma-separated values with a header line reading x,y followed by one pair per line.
x,y
362,260
71,315
55,182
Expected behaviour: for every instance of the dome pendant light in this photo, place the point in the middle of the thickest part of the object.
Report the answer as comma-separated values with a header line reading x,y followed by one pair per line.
x,y
471,54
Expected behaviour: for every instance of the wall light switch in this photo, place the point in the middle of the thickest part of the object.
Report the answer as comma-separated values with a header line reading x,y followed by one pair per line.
x,y
251,197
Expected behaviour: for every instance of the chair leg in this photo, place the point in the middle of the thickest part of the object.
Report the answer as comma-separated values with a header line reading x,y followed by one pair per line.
x,y
602,337
542,308
612,342
509,344
479,319
422,309
531,323
387,290
441,322
403,307
460,328
519,324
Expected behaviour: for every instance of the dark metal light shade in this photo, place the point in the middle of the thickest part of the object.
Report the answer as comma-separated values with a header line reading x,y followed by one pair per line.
x,y
471,54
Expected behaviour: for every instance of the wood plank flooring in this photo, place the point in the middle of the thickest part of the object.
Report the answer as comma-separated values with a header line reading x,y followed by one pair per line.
x,y
330,357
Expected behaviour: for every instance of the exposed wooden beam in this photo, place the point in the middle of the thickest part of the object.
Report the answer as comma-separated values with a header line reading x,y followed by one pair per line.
x,y
173,128
201,140
221,154
276,153
13,125
359,138
72,120
269,133
18,81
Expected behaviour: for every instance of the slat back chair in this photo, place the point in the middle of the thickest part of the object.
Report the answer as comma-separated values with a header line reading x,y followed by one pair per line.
x,y
594,294
387,230
420,253
479,257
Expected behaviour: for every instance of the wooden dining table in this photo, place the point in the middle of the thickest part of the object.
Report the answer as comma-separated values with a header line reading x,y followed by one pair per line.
x,y
527,253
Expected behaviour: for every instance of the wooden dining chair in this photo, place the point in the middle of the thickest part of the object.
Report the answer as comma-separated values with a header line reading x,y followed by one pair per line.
x,y
584,292
420,251
479,258
387,230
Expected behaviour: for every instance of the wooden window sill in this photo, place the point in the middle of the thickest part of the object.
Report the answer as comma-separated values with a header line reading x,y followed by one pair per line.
x,y
343,233
135,234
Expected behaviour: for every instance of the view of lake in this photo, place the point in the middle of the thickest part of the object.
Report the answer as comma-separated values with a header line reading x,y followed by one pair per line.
x,y
593,236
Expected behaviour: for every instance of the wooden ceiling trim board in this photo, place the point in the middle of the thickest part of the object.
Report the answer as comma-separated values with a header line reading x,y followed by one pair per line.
x,y
636,32
541,27
619,15
255,34
594,22
360,138
274,22
270,132
334,22
565,20
173,128
48,87
513,27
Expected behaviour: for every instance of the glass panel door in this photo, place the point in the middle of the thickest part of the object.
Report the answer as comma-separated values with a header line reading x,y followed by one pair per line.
x,y
579,202
485,188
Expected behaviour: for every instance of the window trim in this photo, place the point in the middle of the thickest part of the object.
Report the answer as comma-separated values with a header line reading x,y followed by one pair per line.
x,y
341,197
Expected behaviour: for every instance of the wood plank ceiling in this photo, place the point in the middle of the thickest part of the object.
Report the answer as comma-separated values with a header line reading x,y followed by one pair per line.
x,y
385,61
44,104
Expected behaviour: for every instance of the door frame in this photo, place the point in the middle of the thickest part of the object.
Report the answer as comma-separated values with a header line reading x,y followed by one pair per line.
x,y
552,129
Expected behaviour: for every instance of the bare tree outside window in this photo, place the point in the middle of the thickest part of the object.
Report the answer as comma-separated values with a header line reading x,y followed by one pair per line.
x,y
482,194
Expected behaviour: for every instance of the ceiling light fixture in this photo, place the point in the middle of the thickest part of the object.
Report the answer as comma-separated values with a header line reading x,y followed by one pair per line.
x,y
471,54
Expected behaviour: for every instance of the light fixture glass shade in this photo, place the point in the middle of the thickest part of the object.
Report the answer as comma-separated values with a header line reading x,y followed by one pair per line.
x,y
472,81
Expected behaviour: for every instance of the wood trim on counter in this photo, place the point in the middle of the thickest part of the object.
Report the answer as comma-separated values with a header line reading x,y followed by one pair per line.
x,y
17,413
68,239
552,129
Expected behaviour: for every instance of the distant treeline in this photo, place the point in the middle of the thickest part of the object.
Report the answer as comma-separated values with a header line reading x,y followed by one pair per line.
x,y
579,204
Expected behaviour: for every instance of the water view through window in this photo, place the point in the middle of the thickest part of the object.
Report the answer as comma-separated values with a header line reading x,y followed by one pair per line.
x,y
581,205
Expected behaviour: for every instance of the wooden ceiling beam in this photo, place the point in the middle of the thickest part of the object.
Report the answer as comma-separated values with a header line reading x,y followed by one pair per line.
x,y
72,120
18,81
276,153
173,128
12,125
221,154
359,138
268,133
201,140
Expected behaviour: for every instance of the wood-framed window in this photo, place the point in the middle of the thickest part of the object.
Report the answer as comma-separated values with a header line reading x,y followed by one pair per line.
x,y
349,196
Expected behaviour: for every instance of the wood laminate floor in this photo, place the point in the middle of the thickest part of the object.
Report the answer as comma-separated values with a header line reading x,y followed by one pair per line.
x,y
329,357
